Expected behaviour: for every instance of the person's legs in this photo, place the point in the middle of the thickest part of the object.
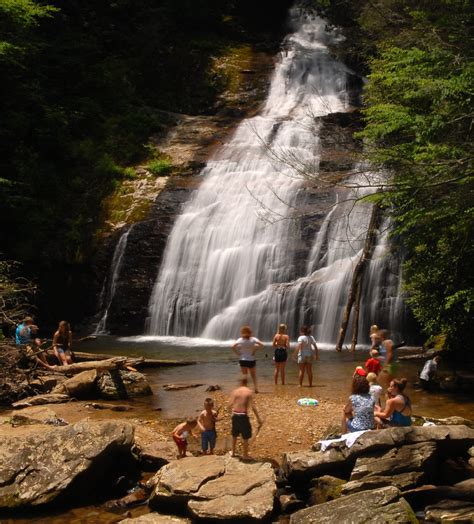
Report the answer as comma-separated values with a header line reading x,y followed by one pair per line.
x,y
301,373
245,448
309,372
234,445
282,372
212,442
275,373
253,373
62,357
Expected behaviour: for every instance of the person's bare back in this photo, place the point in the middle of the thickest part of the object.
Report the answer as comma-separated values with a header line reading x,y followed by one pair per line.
x,y
241,399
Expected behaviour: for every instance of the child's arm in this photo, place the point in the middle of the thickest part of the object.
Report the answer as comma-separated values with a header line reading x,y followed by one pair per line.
x,y
199,422
235,348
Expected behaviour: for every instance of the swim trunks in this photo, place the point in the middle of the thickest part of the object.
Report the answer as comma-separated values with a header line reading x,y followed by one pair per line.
x,y
208,439
241,426
182,443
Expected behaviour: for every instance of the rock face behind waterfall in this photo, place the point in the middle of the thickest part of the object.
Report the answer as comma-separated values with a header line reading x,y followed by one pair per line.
x,y
75,463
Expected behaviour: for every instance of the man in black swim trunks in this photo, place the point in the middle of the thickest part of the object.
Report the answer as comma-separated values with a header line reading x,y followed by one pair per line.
x,y
240,402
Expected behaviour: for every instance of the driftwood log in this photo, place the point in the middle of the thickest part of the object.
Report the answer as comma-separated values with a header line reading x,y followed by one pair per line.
x,y
102,365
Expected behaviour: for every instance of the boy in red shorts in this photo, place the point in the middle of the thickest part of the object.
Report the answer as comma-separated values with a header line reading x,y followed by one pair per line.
x,y
180,435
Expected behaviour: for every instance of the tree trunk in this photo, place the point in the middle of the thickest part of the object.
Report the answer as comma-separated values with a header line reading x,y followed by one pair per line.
x,y
358,271
355,320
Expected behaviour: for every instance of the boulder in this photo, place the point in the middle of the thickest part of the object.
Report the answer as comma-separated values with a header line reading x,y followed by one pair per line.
x,y
74,461
339,459
81,386
36,415
181,480
403,481
416,457
156,518
325,488
217,488
122,384
450,511
152,454
375,506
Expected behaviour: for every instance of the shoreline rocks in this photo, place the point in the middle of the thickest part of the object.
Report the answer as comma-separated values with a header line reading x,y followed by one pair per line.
x,y
69,462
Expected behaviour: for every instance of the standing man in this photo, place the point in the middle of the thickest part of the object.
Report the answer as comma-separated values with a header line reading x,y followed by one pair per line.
x,y
25,335
428,373
241,402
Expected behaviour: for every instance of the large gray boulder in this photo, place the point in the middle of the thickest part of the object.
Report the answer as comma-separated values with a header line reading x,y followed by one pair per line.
x,y
152,453
36,415
217,488
123,384
245,492
376,506
38,466
416,457
339,459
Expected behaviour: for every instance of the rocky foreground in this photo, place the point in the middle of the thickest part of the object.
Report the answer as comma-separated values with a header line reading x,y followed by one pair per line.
x,y
392,475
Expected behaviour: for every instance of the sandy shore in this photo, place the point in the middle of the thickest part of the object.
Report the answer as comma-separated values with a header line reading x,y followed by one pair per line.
x,y
286,426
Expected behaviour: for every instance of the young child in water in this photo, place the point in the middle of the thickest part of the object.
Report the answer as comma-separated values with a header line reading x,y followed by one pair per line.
x,y
180,435
207,424
373,364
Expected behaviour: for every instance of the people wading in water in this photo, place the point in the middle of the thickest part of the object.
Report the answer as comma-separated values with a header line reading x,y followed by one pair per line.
x,y
245,348
306,351
281,343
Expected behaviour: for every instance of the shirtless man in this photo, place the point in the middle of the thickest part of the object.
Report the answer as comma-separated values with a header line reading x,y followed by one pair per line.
x,y
388,352
240,403
207,424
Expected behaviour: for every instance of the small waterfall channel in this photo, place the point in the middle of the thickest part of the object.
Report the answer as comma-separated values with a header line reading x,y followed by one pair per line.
x,y
236,254
107,293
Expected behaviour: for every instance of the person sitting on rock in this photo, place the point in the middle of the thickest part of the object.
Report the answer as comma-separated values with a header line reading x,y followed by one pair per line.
x,y
359,411
25,336
397,410
375,389
180,435
62,343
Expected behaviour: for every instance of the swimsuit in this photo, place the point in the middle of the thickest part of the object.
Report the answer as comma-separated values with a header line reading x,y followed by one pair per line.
x,y
398,418
181,442
22,339
241,425
280,355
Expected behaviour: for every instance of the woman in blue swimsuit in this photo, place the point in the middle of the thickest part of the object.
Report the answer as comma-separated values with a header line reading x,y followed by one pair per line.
x,y
397,410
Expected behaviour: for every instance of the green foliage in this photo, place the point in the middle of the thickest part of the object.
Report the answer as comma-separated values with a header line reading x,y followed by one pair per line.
x,y
418,114
160,167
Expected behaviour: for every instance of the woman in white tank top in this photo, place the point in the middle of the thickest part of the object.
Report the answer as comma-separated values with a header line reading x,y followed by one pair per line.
x,y
245,348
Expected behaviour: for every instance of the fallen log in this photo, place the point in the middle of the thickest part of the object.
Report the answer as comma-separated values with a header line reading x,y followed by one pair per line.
x,y
39,400
102,365
82,356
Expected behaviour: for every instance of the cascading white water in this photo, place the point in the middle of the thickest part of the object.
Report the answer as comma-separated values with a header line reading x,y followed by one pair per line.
x,y
110,283
224,264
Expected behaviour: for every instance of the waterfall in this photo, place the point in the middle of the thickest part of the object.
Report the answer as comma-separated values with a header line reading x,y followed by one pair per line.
x,y
110,283
234,254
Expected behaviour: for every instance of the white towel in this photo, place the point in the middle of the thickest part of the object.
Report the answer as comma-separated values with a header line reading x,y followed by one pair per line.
x,y
349,439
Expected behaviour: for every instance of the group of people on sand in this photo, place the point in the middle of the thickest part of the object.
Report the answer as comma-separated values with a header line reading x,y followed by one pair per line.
x,y
240,402
26,336
364,408
304,353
